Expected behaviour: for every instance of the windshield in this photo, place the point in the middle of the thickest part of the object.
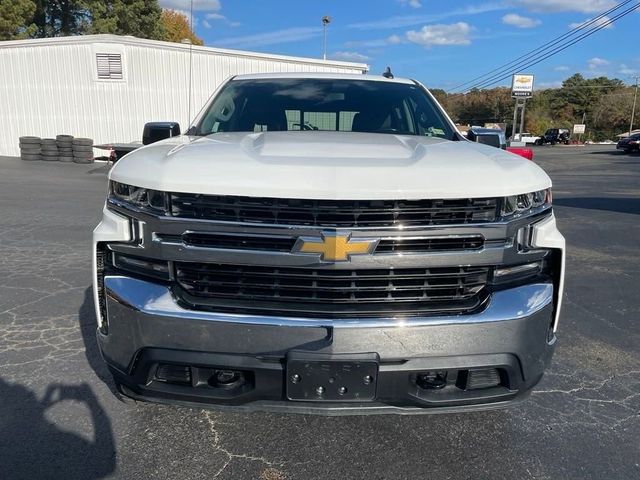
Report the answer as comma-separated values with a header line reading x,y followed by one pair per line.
x,y
324,105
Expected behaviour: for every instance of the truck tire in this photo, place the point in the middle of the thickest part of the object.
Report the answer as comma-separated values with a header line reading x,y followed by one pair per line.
x,y
30,151
49,141
30,157
82,141
29,140
83,159
64,138
65,158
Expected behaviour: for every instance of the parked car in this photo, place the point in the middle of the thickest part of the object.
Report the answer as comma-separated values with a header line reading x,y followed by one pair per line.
x,y
381,263
525,137
629,144
555,135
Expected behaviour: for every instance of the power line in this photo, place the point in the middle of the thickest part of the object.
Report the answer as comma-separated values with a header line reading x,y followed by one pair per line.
x,y
535,52
540,57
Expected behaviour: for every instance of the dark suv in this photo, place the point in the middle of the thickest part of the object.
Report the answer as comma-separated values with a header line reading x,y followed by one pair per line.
x,y
555,135
629,144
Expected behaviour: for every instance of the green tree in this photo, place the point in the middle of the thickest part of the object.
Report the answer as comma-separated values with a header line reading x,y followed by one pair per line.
x,y
140,18
16,19
57,18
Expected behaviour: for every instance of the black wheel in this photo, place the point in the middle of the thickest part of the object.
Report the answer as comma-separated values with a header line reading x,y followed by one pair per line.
x,y
64,138
30,158
62,158
49,141
30,151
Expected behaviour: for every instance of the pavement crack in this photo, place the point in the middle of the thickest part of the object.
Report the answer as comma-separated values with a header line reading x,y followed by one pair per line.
x,y
230,456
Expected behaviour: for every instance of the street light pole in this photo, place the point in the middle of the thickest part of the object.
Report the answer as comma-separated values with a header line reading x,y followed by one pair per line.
x,y
326,20
633,109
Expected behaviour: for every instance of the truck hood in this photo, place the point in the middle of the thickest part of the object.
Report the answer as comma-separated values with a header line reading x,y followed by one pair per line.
x,y
329,165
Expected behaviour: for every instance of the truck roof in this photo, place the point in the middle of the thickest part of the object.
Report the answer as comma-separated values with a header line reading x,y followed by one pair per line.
x,y
333,76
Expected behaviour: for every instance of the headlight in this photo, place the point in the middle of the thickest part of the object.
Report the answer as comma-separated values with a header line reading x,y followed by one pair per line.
x,y
525,203
143,198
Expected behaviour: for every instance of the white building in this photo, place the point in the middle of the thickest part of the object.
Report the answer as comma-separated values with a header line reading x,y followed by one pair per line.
x,y
106,87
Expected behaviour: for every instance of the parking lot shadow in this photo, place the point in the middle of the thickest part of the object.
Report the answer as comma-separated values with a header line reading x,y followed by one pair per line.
x,y
32,447
612,204
88,329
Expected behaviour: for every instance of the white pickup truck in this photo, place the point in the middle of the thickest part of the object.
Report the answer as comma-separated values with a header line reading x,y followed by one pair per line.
x,y
377,262
526,138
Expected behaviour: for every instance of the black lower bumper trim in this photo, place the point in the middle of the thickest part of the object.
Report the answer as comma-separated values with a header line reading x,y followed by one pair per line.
x,y
263,385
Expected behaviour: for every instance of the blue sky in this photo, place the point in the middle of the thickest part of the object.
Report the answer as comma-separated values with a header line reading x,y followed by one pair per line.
x,y
442,44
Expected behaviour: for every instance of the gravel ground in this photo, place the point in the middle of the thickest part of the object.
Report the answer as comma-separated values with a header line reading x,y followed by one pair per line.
x,y
60,419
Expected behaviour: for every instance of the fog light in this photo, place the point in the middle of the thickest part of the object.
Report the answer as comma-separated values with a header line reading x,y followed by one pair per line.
x,y
226,378
435,379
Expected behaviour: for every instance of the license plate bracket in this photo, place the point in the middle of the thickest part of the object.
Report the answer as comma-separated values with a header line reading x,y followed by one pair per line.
x,y
331,378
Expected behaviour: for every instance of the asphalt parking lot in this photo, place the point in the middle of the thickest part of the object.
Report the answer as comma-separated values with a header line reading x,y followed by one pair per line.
x,y
60,419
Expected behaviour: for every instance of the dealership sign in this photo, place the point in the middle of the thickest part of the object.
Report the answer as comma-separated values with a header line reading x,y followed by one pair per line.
x,y
578,128
522,85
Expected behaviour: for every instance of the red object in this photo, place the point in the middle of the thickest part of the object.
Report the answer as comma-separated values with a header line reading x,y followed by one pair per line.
x,y
523,152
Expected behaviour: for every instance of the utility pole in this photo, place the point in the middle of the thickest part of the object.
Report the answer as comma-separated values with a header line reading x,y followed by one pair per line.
x,y
326,20
633,109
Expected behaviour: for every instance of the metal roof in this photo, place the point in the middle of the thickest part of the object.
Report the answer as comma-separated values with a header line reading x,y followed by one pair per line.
x,y
143,42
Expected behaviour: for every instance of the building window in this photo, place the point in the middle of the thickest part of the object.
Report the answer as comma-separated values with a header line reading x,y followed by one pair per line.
x,y
109,66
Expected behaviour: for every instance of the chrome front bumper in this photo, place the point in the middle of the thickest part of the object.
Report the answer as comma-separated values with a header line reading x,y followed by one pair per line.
x,y
515,330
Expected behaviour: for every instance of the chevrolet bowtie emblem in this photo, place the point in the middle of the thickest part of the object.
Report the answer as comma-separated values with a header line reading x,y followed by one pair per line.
x,y
335,247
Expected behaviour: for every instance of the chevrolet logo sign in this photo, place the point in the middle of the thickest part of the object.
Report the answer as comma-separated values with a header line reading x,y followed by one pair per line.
x,y
335,247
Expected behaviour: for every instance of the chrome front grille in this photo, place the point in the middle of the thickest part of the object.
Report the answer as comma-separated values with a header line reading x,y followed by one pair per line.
x,y
327,292
284,243
334,213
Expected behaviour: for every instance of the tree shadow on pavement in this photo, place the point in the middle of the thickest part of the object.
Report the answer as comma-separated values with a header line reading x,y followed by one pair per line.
x,y
32,447
612,204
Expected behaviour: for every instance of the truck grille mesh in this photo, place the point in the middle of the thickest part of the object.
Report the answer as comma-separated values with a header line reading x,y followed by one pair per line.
x,y
334,213
325,292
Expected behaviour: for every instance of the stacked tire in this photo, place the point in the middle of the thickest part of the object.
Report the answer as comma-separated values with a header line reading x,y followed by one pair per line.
x,y
82,150
30,148
49,149
65,148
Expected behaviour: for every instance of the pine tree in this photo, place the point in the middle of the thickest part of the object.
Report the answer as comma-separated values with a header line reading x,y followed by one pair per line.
x,y
16,19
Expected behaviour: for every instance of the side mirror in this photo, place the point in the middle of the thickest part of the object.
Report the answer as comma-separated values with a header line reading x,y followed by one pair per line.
x,y
492,139
155,131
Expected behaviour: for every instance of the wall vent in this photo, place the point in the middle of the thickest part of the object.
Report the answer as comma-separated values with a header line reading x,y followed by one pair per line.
x,y
109,66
